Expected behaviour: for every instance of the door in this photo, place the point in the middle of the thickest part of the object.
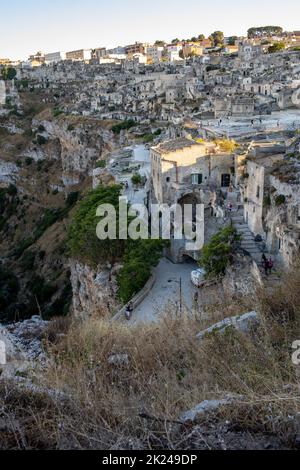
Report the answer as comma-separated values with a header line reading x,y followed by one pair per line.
x,y
225,181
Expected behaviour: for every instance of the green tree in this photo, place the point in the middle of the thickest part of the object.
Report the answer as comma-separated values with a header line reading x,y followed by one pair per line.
x,y
276,47
137,179
140,257
137,256
201,37
217,38
264,31
82,238
9,73
217,254
232,40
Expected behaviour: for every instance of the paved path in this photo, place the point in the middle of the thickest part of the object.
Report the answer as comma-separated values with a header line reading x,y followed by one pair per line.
x,y
165,290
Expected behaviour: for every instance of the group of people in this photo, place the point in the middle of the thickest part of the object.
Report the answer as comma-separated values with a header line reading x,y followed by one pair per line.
x,y
267,264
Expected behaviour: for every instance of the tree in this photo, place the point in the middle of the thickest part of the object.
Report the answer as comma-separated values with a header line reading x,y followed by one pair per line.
x,y
232,40
217,38
175,41
276,47
137,179
201,37
137,256
9,73
159,43
217,254
82,238
264,31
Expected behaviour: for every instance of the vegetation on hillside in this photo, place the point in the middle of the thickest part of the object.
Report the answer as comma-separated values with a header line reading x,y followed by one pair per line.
x,y
276,47
264,31
137,256
217,254
166,371
124,125
226,145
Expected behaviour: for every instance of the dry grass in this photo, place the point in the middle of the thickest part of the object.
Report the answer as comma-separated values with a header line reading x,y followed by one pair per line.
x,y
169,371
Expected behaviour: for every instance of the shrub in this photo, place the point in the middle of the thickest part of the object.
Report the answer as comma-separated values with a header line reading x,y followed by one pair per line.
x,y
28,260
41,140
276,47
9,73
137,180
280,200
267,201
226,145
217,254
138,256
29,161
72,199
9,289
147,138
57,112
12,190
101,164
125,125
82,239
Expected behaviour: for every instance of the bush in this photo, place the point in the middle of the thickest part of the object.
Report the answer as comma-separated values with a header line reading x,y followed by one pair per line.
x,y
72,199
125,125
217,254
41,140
137,180
226,145
29,161
138,256
276,47
82,239
9,289
9,73
147,138
280,200
101,164
57,112
28,260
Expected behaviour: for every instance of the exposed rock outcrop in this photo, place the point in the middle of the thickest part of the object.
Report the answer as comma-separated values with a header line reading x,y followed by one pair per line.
x,y
242,323
8,173
94,290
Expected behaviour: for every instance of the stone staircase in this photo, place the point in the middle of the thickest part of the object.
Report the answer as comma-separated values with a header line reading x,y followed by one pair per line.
x,y
248,243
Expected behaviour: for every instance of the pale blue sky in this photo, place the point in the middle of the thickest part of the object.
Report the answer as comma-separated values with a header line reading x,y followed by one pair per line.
x,y
53,25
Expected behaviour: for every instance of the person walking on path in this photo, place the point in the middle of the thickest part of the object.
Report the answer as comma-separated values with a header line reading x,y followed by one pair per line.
x,y
264,261
270,266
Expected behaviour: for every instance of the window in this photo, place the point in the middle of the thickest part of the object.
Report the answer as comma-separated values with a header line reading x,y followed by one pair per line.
x,y
197,178
168,179
258,192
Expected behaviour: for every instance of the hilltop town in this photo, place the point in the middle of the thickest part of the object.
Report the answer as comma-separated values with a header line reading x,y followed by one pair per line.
x,y
203,121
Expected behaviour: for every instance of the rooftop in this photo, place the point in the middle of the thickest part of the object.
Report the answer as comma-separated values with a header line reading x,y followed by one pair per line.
x,y
174,145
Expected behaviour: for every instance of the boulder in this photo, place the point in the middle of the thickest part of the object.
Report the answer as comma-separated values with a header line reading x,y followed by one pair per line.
x,y
207,406
119,360
242,323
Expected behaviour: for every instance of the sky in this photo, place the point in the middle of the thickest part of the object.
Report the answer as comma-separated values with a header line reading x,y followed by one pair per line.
x,y
63,25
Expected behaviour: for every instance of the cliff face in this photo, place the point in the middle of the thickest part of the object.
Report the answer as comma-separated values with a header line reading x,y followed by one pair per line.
x,y
46,163
80,144
94,290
